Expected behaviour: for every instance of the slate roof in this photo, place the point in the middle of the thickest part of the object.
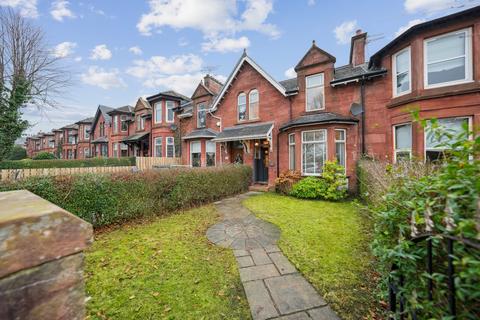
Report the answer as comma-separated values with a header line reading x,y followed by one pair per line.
x,y
71,126
290,84
86,120
185,110
351,72
245,132
201,133
169,93
323,117
124,109
100,140
136,137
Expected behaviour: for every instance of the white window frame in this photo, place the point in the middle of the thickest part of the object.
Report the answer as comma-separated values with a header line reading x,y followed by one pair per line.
x,y
325,154
250,104
290,144
207,152
169,105
238,107
394,72
468,59
124,117
156,108
395,150
201,107
469,119
115,150
170,141
86,133
155,144
191,158
344,141
306,91
115,124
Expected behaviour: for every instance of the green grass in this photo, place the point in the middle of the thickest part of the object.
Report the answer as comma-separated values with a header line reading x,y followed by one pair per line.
x,y
329,243
165,269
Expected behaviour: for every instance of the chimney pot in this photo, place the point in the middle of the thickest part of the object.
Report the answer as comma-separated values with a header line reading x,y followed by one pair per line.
x,y
359,31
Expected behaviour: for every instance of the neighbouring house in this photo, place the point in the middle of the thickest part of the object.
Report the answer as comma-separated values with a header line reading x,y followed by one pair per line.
x,y
100,132
120,129
69,147
138,139
83,144
32,145
58,137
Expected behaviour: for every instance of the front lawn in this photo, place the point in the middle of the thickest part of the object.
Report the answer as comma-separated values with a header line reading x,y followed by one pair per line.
x,y
165,269
329,243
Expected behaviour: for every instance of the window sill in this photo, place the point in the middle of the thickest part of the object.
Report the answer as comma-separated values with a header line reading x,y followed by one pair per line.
x,y
248,121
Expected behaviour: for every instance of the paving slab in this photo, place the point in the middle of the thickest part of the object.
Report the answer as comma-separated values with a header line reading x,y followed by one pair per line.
x,y
260,257
258,272
295,316
245,261
261,305
282,263
240,253
324,313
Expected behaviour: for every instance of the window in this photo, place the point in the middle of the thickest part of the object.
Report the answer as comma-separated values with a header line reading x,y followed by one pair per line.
x,y
124,123
401,72
170,147
70,154
402,142
435,148
140,123
86,132
158,112
104,150
115,124
201,116
242,107
211,152
170,106
51,143
115,150
102,129
314,151
86,152
340,147
315,98
291,151
158,147
123,150
448,59
253,98
71,137
195,154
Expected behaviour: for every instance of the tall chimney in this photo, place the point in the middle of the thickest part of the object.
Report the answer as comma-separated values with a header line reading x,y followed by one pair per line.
x,y
357,49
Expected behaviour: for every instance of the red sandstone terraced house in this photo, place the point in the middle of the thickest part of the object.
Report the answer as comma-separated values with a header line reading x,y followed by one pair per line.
x,y
121,119
100,132
138,139
83,143
69,147
58,137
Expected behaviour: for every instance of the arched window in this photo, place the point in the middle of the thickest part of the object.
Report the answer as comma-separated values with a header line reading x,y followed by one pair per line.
x,y
242,107
253,102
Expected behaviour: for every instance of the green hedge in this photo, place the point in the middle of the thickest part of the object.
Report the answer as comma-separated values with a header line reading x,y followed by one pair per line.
x,y
113,198
94,162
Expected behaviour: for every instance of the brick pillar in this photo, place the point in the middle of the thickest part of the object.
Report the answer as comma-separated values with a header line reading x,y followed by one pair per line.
x,y
41,259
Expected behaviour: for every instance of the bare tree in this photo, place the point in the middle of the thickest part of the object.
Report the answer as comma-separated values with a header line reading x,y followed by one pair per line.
x,y
29,74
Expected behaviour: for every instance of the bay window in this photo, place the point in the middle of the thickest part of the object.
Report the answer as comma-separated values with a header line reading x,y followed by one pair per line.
x,y
140,123
211,150
253,104
201,116
340,147
115,124
123,150
242,107
170,113
436,147
195,154
314,151
158,147
86,132
158,112
291,151
170,147
402,77
448,59
314,92
402,142
115,150
124,123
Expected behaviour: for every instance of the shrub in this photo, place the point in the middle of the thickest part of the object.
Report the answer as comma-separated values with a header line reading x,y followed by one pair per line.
x,y
286,180
58,163
18,153
332,185
44,156
103,199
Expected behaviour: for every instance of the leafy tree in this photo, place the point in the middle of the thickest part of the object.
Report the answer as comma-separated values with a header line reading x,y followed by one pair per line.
x,y
18,153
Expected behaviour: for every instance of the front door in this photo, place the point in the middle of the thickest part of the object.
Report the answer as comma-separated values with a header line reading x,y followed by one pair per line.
x,y
261,164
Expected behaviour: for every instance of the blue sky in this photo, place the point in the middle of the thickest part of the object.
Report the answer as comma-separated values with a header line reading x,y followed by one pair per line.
x,y
120,50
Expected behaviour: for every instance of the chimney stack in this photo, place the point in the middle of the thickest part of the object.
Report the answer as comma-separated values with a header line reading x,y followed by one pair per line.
x,y
357,49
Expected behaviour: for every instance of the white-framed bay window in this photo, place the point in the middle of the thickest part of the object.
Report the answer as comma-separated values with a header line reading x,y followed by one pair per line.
x,y
291,151
195,154
448,59
201,115
170,142
435,147
115,124
341,147
402,72
158,147
314,152
115,150
170,105
314,92
158,112
402,142
211,151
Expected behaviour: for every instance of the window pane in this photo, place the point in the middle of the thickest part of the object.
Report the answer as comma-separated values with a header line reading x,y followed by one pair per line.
x,y
402,63
314,98
319,135
291,138
253,114
403,137
452,125
195,147
196,162
446,71
242,106
211,146
210,159
308,158
170,106
403,82
158,112
340,153
201,116
158,147
319,157
291,156
316,80
339,135
446,47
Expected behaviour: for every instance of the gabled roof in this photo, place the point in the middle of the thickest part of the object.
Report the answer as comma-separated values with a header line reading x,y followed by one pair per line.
x,y
142,104
102,110
168,94
124,109
86,120
290,84
198,91
313,50
246,59
71,126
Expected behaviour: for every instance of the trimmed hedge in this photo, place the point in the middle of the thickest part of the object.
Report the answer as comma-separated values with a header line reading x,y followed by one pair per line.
x,y
103,199
57,163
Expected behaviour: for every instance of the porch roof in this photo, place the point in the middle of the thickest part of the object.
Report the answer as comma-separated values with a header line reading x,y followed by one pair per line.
x,y
201,133
136,137
245,132
318,118
100,140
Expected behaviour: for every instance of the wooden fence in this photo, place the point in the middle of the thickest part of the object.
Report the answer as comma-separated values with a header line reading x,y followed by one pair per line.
x,y
146,163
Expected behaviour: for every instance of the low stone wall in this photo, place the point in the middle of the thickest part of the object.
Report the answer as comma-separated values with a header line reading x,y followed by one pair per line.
x,y
41,259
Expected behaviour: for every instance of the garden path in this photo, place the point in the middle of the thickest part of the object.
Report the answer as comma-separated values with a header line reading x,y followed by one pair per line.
x,y
274,288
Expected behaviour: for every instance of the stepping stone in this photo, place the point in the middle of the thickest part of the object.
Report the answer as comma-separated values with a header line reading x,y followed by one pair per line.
x,y
258,272
292,293
260,257
245,261
261,305
295,316
324,313
282,263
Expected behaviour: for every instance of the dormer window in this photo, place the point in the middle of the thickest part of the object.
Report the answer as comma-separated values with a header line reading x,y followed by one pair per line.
x,y
242,107
201,116
402,77
253,99
170,114
314,92
140,123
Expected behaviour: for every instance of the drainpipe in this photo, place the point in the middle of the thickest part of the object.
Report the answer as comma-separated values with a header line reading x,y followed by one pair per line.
x,y
362,101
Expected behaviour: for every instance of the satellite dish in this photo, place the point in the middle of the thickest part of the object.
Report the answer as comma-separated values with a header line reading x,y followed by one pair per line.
x,y
356,109
173,127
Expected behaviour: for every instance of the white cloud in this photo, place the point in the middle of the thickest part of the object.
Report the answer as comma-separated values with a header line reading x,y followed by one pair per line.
x,y
64,49
212,17
344,32
184,83
105,79
101,52
226,44
60,10
429,6
27,8
136,50
290,73
158,65
411,23
78,59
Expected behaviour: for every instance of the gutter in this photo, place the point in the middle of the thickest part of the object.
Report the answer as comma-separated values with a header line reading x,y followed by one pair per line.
x,y
359,78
